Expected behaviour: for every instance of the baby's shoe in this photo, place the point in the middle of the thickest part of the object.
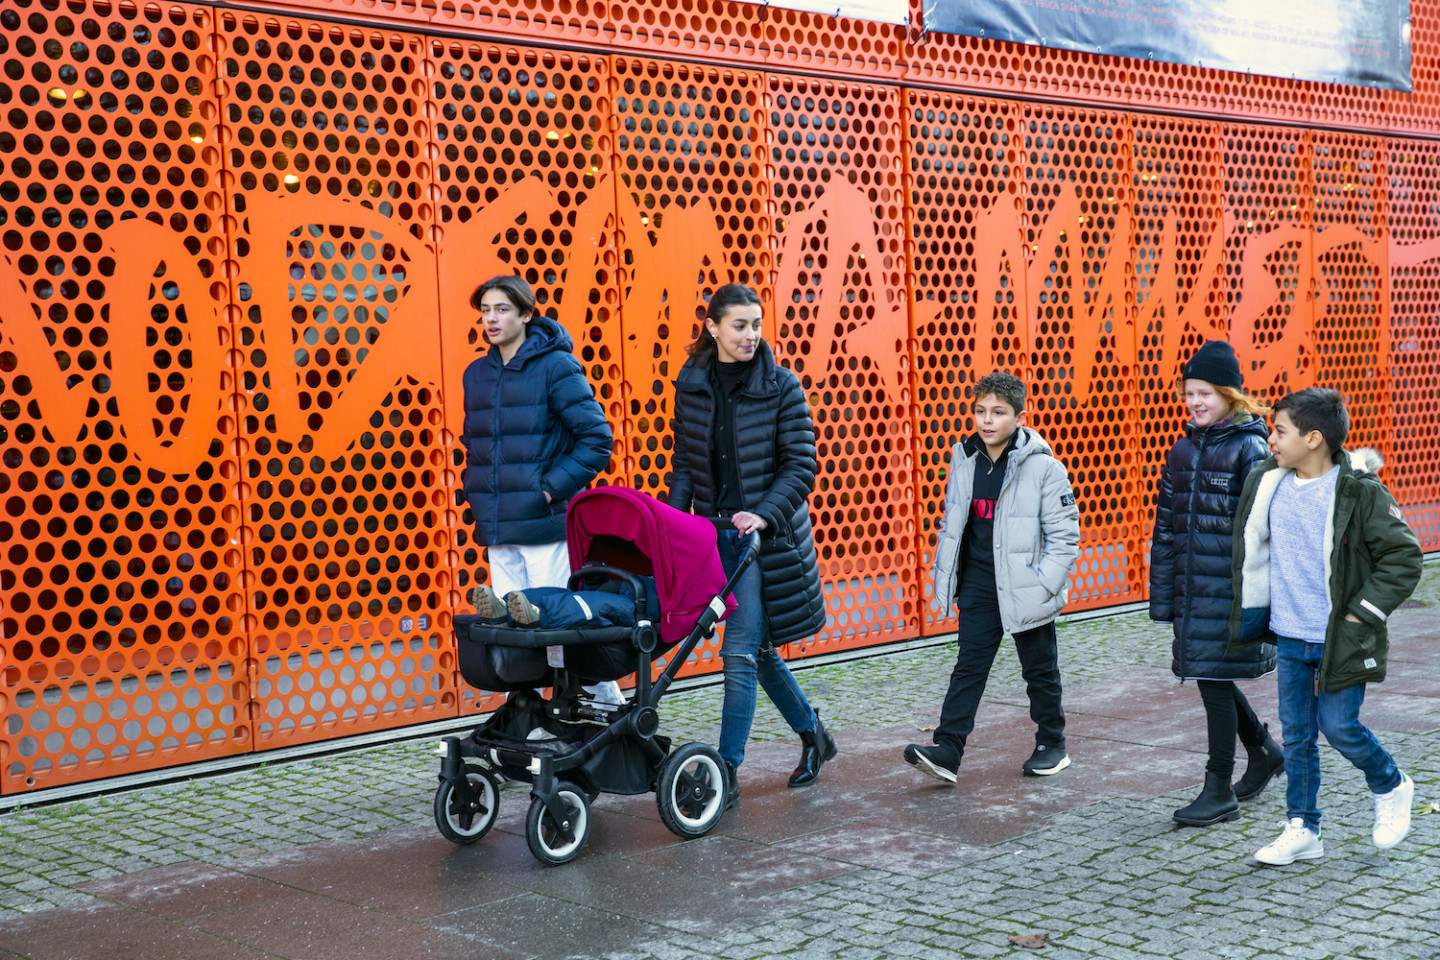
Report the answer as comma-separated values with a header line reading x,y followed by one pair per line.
x,y
522,611
488,606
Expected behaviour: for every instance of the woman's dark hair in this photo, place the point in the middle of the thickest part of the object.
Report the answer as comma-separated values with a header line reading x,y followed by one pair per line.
x,y
703,348
517,291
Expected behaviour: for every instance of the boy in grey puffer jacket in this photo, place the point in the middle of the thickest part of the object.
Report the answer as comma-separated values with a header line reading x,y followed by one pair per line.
x,y
1008,540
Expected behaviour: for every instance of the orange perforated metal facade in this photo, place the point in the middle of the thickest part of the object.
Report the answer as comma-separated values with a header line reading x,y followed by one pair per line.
x,y
237,246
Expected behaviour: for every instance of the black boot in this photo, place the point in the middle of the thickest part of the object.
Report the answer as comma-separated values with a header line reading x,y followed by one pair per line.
x,y
1266,760
732,787
1215,803
817,747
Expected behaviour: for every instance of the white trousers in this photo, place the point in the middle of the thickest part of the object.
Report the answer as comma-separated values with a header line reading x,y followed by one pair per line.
x,y
522,566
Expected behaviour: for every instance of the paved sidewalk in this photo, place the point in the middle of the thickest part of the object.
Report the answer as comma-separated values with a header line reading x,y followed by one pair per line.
x,y
337,857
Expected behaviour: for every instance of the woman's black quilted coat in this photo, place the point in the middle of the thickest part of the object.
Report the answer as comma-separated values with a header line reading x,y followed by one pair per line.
x,y
775,450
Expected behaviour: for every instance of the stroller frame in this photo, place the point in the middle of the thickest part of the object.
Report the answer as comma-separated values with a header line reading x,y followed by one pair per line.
x,y
466,801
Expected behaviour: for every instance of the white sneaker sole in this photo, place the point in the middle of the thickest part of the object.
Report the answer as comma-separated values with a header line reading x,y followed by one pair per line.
x,y
1048,771
1277,862
923,764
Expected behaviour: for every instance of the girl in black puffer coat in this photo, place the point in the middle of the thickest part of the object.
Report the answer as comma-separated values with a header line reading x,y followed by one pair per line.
x,y
1191,575
744,455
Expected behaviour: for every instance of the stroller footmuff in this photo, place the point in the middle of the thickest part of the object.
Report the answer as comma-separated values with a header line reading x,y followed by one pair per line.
x,y
566,747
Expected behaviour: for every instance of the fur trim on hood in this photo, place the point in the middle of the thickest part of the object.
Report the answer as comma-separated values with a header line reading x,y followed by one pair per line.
x,y
1366,460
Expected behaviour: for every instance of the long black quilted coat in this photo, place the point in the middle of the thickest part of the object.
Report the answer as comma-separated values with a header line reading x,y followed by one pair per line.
x,y
532,426
775,450
1191,567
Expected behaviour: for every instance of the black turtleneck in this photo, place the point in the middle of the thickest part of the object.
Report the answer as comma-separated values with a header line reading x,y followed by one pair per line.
x,y
727,380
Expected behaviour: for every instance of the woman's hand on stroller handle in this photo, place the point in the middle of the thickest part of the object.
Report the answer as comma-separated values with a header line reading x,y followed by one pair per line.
x,y
748,523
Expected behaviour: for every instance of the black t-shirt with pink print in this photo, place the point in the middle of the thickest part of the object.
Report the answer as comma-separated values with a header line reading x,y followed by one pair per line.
x,y
975,573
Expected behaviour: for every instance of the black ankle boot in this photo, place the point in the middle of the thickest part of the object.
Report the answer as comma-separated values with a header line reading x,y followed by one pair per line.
x,y
1215,803
732,787
1266,760
817,747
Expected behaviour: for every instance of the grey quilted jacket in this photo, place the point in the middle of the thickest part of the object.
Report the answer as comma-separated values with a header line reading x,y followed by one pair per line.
x,y
1037,533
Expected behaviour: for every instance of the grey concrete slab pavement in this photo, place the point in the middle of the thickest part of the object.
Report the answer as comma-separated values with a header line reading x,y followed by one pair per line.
x,y
336,856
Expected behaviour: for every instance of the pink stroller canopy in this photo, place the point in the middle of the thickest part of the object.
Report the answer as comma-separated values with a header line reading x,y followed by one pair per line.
x,y
635,532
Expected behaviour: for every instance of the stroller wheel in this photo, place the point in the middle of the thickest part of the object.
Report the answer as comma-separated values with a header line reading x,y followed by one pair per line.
x,y
691,790
462,822
555,843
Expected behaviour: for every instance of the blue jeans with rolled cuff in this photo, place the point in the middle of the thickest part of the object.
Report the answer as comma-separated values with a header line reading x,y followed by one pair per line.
x,y
749,656
1305,714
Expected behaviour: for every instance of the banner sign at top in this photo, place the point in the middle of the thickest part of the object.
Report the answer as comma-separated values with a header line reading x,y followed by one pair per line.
x,y
1356,42
884,11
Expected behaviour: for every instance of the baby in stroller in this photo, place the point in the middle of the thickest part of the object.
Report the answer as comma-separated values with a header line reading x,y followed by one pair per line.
x,y
658,576
611,604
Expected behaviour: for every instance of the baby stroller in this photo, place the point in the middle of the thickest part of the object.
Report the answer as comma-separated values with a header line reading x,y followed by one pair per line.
x,y
568,748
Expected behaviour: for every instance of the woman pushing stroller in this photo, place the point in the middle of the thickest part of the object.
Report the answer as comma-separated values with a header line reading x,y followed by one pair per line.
x,y
744,456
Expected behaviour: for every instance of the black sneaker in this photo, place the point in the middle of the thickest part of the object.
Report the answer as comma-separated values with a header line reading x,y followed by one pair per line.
x,y
1046,760
942,763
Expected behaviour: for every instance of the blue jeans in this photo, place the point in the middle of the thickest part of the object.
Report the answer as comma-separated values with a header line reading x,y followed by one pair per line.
x,y
749,655
1304,714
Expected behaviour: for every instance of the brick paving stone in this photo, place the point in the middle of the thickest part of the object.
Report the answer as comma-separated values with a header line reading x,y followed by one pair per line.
x,y
1110,877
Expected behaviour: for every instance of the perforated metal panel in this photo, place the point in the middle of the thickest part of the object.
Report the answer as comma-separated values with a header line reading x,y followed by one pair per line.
x,y
525,187
710,29
573,21
1082,339
967,282
1352,322
692,197
1413,254
841,309
122,648
805,40
344,480
1269,265
1179,231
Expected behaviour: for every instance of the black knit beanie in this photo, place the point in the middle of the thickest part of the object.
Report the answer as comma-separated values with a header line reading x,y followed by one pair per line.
x,y
1215,363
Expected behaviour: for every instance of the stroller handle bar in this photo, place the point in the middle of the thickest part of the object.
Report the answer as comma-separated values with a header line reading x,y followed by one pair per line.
x,y
705,626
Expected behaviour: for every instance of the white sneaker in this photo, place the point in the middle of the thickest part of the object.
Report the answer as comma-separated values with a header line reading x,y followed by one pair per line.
x,y
1298,842
1392,814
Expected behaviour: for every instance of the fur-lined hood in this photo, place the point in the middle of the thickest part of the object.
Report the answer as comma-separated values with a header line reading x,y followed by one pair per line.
x,y
1366,460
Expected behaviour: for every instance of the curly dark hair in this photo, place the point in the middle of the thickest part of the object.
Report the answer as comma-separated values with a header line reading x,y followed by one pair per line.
x,y
1005,386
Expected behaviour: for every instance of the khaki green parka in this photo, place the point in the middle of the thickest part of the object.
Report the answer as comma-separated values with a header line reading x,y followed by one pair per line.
x,y
1373,564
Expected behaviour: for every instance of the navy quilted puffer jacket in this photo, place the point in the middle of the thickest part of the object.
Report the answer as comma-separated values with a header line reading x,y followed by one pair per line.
x,y
532,426
1191,572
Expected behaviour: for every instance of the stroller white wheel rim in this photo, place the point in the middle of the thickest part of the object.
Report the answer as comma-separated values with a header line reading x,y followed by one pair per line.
x,y
549,830
697,791
479,818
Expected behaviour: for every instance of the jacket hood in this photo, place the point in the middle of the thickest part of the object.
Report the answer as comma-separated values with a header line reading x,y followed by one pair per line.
x,y
542,336
1024,445
1365,460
